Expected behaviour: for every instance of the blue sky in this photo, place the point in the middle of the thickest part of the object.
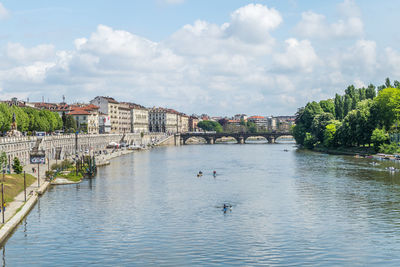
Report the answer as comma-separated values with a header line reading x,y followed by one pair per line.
x,y
218,57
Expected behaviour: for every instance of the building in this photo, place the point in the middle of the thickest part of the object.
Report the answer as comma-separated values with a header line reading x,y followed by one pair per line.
x,y
272,124
163,120
104,123
124,118
240,117
87,118
193,121
184,123
108,105
285,123
260,121
139,118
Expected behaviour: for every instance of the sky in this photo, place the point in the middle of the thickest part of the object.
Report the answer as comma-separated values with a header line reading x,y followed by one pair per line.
x,y
223,57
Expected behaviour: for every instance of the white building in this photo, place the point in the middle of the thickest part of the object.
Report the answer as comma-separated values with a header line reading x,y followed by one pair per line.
x,y
139,119
163,120
108,105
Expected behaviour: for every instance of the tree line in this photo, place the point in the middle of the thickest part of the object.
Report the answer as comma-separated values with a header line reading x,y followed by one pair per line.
x,y
360,117
33,120
223,125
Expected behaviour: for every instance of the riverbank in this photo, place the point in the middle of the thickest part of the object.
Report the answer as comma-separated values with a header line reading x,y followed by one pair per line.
x,y
17,210
352,151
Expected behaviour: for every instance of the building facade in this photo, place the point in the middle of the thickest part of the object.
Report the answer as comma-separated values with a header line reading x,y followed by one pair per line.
x,y
104,124
184,123
139,119
108,105
124,118
87,118
163,120
260,121
193,121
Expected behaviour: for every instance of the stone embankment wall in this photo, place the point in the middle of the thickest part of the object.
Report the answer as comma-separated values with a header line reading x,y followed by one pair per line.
x,y
21,146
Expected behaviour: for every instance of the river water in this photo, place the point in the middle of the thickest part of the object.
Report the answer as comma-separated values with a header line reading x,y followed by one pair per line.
x,y
149,208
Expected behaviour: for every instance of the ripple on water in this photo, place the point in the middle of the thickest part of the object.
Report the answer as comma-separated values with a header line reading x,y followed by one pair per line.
x,y
289,209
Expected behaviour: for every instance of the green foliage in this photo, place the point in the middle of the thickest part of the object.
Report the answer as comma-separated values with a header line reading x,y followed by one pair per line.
x,y
388,104
70,124
391,148
379,137
328,106
210,126
319,123
309,141
29,119
330,137
17,166
360,117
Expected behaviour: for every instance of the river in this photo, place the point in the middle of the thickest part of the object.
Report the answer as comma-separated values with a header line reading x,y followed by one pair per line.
x,y
148,208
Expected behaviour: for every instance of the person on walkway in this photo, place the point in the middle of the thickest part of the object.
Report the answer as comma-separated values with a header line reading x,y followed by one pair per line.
x,y
214,173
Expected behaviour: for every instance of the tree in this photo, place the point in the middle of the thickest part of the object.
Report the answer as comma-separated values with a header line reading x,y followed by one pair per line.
x,y
311,110
17,166
396,84
339,107
210,126
387,83
309,141
64,120
388,104
370,92
379,137
328,106
348,103
330,138
252,127
5,117
70,124
319,124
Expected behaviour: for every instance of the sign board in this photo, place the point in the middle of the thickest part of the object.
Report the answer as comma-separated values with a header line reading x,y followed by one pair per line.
x,y
40,135
37,159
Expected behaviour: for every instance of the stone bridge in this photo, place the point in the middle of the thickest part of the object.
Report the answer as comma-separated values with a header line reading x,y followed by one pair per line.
x,y
241,138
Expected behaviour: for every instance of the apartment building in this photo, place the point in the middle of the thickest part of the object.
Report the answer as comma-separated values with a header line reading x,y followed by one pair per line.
x,y
108,105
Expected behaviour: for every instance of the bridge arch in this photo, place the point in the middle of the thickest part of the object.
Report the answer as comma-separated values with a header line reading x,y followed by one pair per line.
x,y
187,138
219,138
264,138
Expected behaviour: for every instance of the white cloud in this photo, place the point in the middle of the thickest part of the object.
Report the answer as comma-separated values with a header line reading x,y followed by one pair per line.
x,y
4,14
392,58
313,25
253,22
202,67
299,55
349,8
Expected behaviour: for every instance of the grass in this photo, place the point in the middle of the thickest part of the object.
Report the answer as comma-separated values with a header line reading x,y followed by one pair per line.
x,y
72,176
14,184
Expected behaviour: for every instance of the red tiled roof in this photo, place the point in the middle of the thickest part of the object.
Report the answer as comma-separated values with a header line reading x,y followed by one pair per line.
x,y
78,112
256,117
